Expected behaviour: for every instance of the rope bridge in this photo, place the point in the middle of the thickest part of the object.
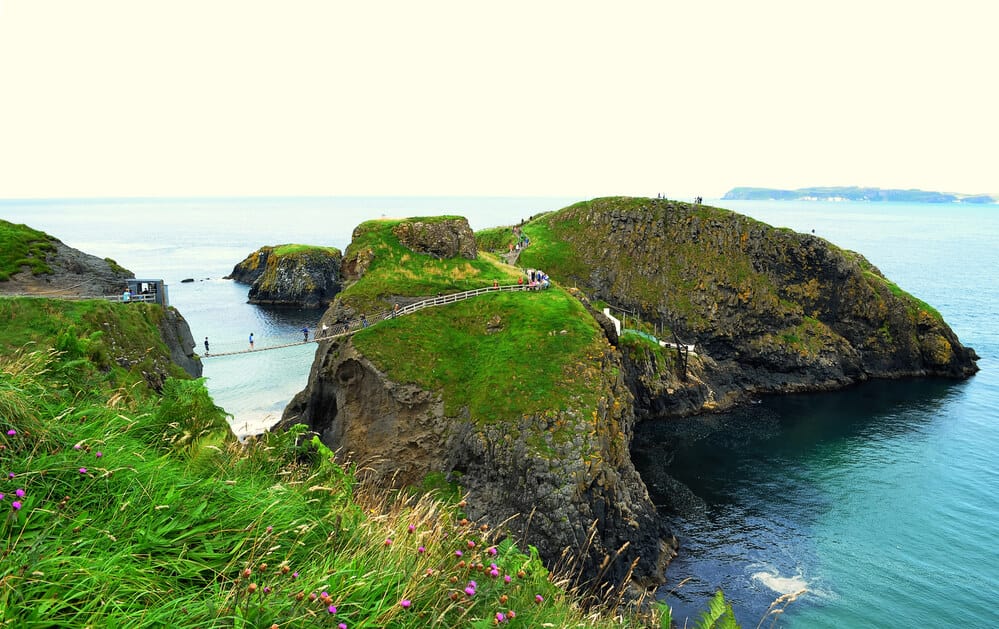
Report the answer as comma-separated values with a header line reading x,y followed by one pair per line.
x,y
352,326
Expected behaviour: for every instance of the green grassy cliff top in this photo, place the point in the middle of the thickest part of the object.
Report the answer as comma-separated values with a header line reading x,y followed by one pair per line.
x,y
21,246
505,355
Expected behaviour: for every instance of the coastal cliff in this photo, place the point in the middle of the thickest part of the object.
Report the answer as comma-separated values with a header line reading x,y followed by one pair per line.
x,y
290,275
518,397
768,310
38,265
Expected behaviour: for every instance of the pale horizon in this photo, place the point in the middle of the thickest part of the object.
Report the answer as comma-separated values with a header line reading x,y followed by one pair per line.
x,y
126,99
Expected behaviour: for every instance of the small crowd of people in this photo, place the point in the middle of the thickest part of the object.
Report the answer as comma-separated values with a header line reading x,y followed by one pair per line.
x,y
521,239
536,280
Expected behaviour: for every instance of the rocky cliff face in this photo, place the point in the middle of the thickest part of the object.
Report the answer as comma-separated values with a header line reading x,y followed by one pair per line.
x,y
769,310
306,277
74,274
177,335
554,474
449,237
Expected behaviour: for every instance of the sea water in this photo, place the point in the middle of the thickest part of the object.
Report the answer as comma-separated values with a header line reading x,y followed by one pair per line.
x,y
880,502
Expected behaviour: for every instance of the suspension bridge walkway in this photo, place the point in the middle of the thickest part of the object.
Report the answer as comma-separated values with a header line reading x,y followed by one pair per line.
x,y
354,325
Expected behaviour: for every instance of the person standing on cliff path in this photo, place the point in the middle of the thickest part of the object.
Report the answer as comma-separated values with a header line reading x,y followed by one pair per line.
x,y
305,334
206,346
251,340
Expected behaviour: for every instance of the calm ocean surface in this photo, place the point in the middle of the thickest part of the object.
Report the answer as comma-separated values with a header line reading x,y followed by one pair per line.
x,y
881,501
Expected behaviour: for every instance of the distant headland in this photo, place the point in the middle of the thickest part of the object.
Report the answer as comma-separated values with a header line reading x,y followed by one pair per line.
x,y
854,193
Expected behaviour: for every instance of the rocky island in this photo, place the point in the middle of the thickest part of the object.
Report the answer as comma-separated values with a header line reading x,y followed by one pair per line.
x,y
290,275
528,399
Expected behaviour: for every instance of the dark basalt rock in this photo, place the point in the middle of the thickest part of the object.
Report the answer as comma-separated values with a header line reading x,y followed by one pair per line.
x,y
307,278
448,238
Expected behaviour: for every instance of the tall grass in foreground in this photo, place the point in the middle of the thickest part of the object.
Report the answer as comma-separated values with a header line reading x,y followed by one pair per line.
x,y
127,510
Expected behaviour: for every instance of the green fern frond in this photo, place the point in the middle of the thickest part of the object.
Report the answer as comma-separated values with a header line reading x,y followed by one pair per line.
x,y
719,614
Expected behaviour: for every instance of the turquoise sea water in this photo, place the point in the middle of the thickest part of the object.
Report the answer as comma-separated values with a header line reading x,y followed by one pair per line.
x,y
880,501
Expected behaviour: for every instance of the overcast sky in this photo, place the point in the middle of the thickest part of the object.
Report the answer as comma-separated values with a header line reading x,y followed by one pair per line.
x,y
569,98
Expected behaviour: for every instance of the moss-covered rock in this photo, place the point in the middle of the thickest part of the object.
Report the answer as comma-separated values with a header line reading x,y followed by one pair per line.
x,y
291,275
774,310
442,237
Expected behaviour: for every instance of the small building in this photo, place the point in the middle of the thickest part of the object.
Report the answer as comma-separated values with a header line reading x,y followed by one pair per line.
x,y
149,290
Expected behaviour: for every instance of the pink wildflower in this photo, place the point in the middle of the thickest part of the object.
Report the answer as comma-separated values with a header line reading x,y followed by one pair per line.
x,y
500,617
458,553
331,609
421,550
538,598
491,550
405,603
99,454
11,432
470,590
506,579
16,505
411,528
342,625
83,470
19,493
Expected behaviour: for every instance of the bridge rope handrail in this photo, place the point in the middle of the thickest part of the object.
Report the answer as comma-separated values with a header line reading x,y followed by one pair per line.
x,y
354,325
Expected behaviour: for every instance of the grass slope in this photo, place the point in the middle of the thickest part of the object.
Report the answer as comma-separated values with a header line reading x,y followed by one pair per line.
x,y
22,246
525,366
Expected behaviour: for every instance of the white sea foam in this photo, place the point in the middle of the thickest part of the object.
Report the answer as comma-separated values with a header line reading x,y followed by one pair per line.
x,y
780,584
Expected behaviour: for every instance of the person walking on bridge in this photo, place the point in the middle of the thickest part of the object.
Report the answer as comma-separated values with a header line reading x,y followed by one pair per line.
x,y
305,334
251,340
206,346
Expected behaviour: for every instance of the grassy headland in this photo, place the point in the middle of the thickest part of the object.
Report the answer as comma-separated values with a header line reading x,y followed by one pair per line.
x,y
502,355
708,269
